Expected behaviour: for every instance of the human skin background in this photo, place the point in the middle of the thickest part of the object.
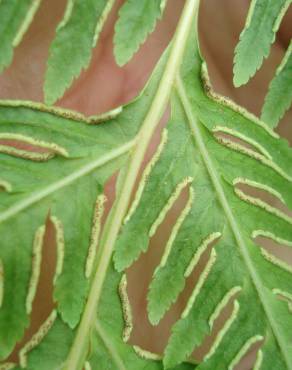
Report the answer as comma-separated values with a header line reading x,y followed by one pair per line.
x,y
104,85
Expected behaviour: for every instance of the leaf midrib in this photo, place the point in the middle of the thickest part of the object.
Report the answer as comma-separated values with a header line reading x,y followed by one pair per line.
x,y
217,183
114,221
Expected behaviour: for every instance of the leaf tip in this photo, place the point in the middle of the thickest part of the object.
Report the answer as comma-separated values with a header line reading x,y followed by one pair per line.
x,y
237,81
120,58
239,75
153,318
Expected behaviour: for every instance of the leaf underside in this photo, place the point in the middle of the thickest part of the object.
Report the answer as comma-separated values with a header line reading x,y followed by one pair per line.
x,y
209,146
193,154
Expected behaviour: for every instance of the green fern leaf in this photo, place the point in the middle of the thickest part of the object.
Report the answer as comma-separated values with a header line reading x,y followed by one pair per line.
x,y
136,20
42,182
126,357
279,97
108,349
68,158
15,18
262,23
72,158
193,156
71,49
38,183
209,147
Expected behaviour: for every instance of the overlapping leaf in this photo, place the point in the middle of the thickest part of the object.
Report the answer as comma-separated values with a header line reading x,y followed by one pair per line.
x,y
108,351
61,177
202,153
54,164
73,157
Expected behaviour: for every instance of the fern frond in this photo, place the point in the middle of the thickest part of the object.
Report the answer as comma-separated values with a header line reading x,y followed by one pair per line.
x,y
126,357
279,96
202,152
45,181
67,157
71,49
262,23
70,154
15,18
209,148
71,159
108,351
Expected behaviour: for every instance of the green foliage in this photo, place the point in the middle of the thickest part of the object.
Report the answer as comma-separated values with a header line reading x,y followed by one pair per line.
x,y
47,185
136,20
216,209
56,173
279,96
262,23
110,325
70,51
15,18
63,183
108,350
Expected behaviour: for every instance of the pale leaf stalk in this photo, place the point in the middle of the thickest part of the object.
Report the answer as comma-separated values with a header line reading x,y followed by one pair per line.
x,y
78,351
